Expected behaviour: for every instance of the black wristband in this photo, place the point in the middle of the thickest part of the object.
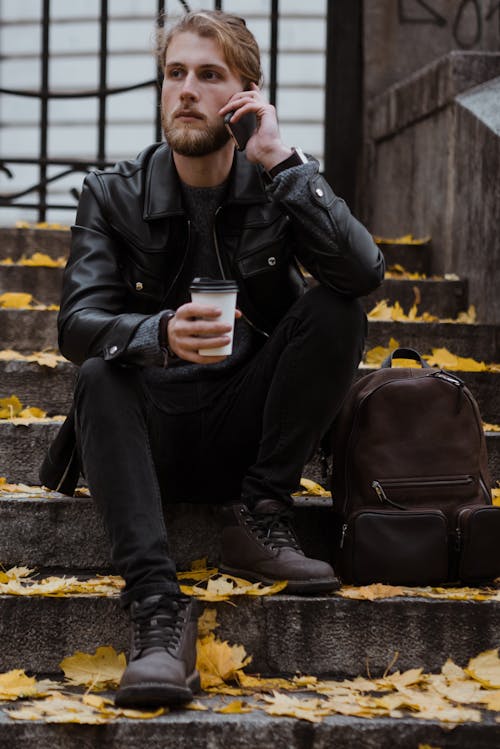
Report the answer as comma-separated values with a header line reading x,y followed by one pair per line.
x,y
295,159
163,336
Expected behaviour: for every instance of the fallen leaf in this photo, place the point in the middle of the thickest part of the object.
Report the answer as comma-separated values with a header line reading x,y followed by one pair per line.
x,y
101,670
207,622
485,669
371,592
311,489
15,684
441,357
41,259
237,707
376,355
310,709
15,300
491,427
218,662
10,407
405,239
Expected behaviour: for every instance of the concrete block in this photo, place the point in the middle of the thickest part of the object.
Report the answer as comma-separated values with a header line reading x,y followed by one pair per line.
x,y
323,636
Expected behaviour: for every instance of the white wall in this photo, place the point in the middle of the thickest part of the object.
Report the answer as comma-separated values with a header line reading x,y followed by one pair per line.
x,y
74,42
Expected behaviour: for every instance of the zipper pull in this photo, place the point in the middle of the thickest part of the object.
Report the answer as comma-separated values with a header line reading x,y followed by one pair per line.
x,y
383,496
458,539
379,492
342,538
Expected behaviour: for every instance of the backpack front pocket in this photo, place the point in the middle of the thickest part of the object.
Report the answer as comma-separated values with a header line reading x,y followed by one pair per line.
x,y
478,543
408,547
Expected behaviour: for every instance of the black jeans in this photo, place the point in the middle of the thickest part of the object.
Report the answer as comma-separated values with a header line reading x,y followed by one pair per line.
x,y
252,442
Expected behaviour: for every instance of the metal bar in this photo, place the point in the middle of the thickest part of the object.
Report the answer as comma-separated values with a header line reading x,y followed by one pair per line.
x,y
343,99
273,63
103,75
44,111
159,73
76,94
55,162
218,5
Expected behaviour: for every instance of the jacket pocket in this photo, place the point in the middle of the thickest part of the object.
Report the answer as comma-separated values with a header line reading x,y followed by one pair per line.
x,y
408,547
414,492
477,545
265,260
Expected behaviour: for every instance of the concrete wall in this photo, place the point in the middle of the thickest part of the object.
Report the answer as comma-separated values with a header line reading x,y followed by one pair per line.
x,y
433,166
401,36
475,212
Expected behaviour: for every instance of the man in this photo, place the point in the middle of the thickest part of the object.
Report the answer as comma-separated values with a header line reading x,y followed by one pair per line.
x,y
156,421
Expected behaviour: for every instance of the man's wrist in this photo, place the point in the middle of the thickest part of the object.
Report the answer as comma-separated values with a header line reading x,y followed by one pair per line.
x,y
295,158
163,336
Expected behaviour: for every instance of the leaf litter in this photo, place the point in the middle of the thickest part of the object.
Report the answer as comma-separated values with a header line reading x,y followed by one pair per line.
x,y
455,695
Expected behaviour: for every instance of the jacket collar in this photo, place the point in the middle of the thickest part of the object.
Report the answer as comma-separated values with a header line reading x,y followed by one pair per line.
x,y
162,189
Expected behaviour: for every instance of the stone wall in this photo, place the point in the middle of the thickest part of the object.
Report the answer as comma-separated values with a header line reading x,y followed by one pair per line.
x,y
432,167
401,36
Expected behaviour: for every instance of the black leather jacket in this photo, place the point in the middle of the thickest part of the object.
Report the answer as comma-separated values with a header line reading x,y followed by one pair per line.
x,y
131,238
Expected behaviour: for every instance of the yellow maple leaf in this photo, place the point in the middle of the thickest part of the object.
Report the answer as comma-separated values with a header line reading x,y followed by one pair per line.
x,y
207,622
237,707
311,489
15,684
15,300
496,496
485,669
441,357
101,670
40,259
59,709
218,662
10,407
405,239
371,592
32,413
491,427
376,355
310,709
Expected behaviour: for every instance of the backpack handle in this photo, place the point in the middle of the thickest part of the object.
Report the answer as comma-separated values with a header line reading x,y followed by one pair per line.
x,y
403,353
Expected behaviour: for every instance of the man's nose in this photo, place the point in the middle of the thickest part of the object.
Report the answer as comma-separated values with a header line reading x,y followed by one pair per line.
x,y
189,89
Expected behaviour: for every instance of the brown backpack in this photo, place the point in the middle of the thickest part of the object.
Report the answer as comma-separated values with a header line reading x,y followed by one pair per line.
x,y
410,480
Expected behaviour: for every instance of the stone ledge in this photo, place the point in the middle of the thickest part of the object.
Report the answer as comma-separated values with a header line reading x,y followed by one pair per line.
x,y
35,330
429,90
187,729
322,636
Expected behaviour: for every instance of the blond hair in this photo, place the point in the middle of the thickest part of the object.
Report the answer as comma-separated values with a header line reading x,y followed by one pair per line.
x,y
237,43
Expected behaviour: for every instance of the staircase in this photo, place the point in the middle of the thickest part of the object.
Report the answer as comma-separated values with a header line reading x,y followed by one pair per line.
x,y
328,636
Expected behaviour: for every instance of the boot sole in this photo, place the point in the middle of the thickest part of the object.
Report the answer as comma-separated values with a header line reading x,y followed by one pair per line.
x,y
155,694
325,585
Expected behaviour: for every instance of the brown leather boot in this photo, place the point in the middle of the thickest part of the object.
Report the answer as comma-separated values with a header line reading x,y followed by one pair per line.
x,y
260,545
162,664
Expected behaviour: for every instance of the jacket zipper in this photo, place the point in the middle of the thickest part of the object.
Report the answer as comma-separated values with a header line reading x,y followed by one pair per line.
x,y
221,268
183,262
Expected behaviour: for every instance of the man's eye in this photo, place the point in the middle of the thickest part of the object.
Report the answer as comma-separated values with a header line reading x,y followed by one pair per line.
x,y
210,75
175,73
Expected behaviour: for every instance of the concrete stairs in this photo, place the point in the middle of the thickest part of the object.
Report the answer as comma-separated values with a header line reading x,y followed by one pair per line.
x,y
326,636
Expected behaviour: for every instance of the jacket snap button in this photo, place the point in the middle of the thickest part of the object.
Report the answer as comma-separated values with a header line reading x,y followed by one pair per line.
x,y
113,349
319,192
271,260
139,286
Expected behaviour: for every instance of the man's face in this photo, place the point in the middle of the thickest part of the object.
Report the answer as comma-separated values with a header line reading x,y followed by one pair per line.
x,y
197,83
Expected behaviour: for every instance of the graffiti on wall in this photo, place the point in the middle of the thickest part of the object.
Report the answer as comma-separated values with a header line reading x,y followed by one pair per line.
x,y
466,18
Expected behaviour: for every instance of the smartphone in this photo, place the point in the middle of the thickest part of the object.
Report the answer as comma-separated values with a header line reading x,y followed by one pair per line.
x,y
242,130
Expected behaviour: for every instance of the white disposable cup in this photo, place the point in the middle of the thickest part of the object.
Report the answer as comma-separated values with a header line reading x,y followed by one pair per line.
x,y
225,300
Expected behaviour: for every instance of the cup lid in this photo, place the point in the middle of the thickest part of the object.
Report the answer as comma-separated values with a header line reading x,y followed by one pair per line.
x,y
211,285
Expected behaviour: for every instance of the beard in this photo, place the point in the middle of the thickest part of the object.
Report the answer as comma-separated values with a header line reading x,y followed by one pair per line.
x,y
193,141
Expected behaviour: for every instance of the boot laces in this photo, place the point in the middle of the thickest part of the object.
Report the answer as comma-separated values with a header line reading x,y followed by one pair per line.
x,y
274,529
158,623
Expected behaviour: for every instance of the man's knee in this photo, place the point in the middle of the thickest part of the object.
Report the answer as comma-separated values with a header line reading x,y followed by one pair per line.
x,y
332,314
101,380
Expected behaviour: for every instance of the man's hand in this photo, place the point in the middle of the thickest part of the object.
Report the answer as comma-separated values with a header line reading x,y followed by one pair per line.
x,y
265,146
195,326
